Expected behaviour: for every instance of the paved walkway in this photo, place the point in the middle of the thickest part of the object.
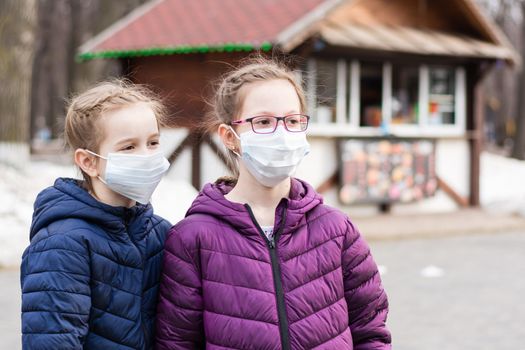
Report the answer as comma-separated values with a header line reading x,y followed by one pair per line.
x,y
10,301
460,292
461,222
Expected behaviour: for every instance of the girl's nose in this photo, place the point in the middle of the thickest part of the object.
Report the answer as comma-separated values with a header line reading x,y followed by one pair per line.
x,y
282,126
145,150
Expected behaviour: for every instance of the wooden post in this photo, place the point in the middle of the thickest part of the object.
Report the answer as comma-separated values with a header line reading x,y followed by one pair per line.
x,y
476,116
460,200
196,159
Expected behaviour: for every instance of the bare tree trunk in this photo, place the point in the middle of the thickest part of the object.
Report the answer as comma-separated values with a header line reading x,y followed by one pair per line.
x,y
63,25
518,150
16,39
501,83
51,66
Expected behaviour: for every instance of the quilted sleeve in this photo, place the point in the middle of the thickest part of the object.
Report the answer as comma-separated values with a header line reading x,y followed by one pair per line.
x,y
56,300
180,308
364,294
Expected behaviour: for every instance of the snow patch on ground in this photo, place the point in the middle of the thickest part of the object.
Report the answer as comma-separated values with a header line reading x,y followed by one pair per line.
x,y
502,184
19,188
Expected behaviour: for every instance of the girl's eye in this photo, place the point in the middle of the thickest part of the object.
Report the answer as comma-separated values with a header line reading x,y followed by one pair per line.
x,y
128,148
262,121
154,143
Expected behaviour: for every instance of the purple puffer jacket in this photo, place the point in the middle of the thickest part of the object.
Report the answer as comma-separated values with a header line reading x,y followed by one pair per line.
x,y
225,286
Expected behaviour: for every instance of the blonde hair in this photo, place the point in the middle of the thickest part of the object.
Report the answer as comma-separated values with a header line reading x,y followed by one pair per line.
x,y
228,97
82,128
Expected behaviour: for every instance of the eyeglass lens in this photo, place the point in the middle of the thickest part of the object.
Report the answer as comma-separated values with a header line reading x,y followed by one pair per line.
x,y
268,124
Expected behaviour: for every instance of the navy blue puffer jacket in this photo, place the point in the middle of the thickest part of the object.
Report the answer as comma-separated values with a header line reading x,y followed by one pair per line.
x,y
91,272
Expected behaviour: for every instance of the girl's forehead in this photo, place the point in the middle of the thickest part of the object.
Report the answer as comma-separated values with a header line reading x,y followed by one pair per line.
x,y
276,96
133,121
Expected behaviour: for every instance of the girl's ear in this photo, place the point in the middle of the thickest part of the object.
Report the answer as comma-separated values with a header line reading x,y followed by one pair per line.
x,y
86,162
229,139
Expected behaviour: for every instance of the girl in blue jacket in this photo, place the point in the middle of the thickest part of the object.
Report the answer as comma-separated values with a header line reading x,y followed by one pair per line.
x,y
90,274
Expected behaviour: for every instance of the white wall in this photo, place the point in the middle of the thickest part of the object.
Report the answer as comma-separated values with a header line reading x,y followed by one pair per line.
x,y
212,167
181,168
320,163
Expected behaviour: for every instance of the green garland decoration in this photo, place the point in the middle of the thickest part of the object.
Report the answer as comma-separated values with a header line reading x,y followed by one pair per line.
x,y
182,49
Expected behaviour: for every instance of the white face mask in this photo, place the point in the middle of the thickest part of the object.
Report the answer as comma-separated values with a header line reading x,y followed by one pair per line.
x,y
134,176
271,158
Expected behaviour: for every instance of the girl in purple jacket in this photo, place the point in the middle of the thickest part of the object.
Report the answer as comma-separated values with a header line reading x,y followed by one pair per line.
x,y
260,262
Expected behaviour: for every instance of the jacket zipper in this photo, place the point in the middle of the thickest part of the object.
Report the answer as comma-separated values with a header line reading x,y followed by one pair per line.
x,y
277,279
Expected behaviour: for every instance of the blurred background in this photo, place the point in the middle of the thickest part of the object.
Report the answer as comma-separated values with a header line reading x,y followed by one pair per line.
x,y
417,131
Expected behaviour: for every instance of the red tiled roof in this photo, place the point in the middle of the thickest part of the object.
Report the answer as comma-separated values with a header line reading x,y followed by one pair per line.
x,y
198,23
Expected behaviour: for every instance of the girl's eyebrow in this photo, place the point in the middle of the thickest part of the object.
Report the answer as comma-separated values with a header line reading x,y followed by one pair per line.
x,y
293,111
130,139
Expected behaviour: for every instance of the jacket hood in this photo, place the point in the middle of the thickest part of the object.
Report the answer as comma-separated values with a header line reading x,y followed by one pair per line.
x,y
211,201
66,199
